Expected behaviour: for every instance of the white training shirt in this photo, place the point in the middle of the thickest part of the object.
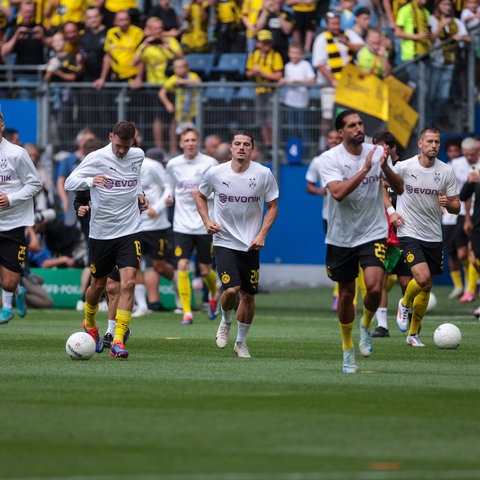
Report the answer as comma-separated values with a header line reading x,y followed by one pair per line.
x,y
114,208
20,181
153,180
296,96
239,202
418,204
360,217
462,168
313,176
183,177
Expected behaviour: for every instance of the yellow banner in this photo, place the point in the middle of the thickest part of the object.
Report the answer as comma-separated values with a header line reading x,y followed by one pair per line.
x,y
384,99
401,120
362,91
398,88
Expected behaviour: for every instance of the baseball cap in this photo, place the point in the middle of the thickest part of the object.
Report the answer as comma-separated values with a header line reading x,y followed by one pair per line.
x,y
264,36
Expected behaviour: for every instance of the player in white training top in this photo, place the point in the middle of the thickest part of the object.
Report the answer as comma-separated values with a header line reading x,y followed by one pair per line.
x,y
112,174
241,189
183,175
357,226
430,185
19,182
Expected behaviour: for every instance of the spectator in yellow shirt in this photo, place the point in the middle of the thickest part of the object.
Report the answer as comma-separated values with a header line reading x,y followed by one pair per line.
x,y
264,65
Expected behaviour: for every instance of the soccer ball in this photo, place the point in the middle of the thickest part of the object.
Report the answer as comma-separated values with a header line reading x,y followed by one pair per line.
x,y
80,346
432,302
447,335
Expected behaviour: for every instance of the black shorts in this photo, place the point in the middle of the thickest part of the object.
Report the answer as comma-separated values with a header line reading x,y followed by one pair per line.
x,y
155,108
14,249
121,252
185,245
461,238
417,251
449,239
155,244
342,262
305,21
475,237
236,268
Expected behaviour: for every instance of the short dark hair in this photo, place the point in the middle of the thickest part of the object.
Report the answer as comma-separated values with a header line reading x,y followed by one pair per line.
x,y
244,133
386,137
124,130
340,120
429,129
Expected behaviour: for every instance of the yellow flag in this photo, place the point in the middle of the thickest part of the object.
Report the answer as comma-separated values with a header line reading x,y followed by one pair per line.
x,y
363,92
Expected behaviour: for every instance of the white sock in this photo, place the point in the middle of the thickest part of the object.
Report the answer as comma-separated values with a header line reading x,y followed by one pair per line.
x,y
140,296
111,327
381,315
227,315
242,333
7,298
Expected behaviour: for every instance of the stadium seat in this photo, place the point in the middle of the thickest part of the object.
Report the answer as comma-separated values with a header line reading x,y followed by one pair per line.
x,y
230,66
219,93
201,63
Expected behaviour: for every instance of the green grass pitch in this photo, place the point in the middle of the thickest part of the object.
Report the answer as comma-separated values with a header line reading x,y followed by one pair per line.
x,y
180,408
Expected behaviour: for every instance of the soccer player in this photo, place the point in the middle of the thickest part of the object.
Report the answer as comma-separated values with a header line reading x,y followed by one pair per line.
x,y
357,226
430,186
242,188
112,174
20,182
183,175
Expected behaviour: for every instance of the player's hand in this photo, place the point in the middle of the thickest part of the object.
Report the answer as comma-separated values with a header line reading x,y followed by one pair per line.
x,y
442,199
257,243
4,201
99,180
83,211
368,159
396,219
142,202
212,227
152,213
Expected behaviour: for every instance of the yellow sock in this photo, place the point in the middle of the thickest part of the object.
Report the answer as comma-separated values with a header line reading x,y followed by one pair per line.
x,y
361,283
211,282
391,281
346,331
420,305
472,279
335,289
123,321
456,277
413,289
185,290
367,317
90,311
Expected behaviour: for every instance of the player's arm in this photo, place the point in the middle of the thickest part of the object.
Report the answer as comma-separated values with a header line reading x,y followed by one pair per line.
x,y
210,226
394,217
394,179
452,204
270,216
312,189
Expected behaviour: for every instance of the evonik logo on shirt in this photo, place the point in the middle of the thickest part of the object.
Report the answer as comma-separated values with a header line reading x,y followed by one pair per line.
x,y
120,183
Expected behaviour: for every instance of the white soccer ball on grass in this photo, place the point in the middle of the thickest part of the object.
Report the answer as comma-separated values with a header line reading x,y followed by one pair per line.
x,y
80,346
447,335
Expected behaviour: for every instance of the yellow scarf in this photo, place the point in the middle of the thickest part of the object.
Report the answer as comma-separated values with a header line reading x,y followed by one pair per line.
x,y
420,25
335,61
449,49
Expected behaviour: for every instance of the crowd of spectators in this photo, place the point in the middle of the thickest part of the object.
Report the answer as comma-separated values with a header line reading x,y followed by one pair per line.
x,y
137,42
